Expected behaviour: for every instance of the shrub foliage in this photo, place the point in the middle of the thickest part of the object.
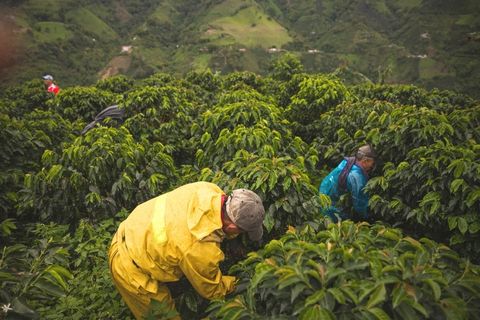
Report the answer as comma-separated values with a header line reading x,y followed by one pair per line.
x,y
352,271
63,194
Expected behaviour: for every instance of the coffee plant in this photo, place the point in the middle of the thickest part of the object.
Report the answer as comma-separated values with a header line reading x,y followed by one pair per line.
x,y
392,129
97,175
82,102
285,67
316,95
447,200
19,100
116,84
445,101
91,293
63,194
288,195
352,271
33,273
22,144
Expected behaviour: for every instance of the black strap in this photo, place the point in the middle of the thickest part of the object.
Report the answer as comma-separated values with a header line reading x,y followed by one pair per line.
x,y
342,179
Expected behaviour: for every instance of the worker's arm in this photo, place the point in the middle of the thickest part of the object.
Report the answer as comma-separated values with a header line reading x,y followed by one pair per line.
x,y
356,184
200,264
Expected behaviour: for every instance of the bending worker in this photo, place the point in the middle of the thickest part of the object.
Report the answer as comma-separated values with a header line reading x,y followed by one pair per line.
x,y
349,177
179,233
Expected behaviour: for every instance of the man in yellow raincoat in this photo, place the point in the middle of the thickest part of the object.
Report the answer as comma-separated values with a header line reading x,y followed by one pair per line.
x,y
179,233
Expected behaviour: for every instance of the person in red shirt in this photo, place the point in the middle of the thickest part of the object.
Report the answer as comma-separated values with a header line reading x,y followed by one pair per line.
x,y
49,85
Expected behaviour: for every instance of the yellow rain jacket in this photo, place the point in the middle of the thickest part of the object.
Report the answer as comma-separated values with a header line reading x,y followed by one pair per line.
x,y
175,234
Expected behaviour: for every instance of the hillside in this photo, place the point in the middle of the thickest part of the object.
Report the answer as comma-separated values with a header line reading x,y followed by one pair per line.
x,y
423,42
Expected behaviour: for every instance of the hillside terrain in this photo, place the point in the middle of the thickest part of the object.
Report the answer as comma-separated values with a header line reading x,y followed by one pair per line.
x,y
423,42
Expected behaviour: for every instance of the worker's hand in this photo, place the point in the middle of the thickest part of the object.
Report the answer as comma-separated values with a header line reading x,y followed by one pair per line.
x,y
239,288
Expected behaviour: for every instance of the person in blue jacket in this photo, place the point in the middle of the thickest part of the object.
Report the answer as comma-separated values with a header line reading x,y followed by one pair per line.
x,y
349,177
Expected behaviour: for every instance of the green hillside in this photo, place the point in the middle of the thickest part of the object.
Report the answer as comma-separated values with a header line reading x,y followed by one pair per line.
x,y
423,42
91,24
248,27
51,32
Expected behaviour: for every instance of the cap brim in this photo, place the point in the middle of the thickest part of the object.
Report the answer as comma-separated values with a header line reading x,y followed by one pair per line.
x,y
257,234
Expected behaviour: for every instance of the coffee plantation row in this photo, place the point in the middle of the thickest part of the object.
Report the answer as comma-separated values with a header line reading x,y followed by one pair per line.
x,y
62,194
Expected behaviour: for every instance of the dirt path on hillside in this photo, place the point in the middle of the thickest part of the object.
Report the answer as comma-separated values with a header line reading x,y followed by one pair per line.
x,y
117,65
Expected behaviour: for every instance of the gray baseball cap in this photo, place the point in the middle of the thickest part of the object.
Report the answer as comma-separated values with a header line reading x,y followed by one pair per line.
x,y
245,209
47,77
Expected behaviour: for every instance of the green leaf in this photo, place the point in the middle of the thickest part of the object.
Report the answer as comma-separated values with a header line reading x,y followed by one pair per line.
x,y
53,172
456,184
420,309
351,294
377,296
56,272
272,180
233,313
314,298
268,220
452,222
296,291
337,294
6,276
474,227
462,225
288,280
316,312
454,308
406,311
437,292
399,295
50,288
23,309
379,313
473,197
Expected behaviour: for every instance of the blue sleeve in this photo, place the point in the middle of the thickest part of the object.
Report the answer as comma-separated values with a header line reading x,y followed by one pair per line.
x,y
355,184
329,185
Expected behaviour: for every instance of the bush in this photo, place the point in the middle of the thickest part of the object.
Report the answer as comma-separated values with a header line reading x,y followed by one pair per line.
x,y
445,205
352,271
25,98
288,196
82,102
22,143
116,84
91,293
316,95
285,67
162,114
96,176
393,130
33,271
443,101
246,78
241,107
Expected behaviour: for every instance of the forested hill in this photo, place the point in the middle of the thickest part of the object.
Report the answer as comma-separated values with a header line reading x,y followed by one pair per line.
x,y
432,43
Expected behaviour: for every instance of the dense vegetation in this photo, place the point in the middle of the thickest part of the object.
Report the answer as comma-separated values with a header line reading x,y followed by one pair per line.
x,y
424,42
63,194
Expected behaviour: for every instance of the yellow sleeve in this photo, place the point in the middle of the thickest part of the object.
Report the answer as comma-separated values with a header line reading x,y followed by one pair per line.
x,y
200,265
